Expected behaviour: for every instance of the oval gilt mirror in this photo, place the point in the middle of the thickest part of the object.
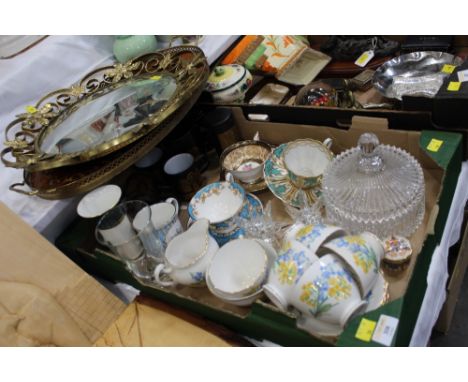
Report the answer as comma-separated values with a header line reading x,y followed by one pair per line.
x,y
109,109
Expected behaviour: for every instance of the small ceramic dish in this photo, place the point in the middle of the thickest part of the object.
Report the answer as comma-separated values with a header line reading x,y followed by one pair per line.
x,y
270,94
99,201
245,160
238,268
278,181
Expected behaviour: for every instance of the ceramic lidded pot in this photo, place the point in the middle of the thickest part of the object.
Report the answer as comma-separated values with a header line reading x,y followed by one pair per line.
x,y
127,47
229,83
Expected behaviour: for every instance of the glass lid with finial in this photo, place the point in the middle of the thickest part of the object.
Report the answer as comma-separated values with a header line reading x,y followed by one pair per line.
x,y
375,187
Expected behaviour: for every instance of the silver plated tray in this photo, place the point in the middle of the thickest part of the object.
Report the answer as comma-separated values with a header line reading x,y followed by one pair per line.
x,y
414,74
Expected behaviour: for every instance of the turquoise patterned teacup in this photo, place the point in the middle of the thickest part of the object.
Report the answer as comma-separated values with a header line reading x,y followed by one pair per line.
x,y
306,160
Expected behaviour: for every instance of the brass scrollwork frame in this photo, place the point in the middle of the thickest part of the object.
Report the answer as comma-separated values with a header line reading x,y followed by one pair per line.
x,y
186,64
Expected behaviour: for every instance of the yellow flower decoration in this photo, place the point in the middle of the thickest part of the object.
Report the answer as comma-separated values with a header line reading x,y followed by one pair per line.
x,y
304,231
338,288
309,295
361,262
286,246
287,272
122,71
355,240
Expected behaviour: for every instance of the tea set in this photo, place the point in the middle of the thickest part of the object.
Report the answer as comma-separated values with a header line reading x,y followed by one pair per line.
x,y
318,272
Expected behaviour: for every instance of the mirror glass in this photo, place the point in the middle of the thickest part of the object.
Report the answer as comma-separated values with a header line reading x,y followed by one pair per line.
x,y
109,116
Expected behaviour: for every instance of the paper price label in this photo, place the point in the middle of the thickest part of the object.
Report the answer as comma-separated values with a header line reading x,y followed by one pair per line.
x,y
448,68
364,58
365,330
385,330
453,86
434,145
463,76
155,78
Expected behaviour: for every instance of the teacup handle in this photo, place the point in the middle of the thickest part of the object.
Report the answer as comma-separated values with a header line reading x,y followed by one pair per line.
x,y
190,222
175,203
229,177
328,143
162,269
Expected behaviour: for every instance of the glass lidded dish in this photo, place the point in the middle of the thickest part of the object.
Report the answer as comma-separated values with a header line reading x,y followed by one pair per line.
x,y
375,187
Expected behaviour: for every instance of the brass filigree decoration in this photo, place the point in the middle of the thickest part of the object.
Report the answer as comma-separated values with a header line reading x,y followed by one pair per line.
x,y
120,71
34,116
23,136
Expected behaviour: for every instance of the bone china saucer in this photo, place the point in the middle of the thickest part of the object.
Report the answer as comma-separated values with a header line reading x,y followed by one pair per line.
x,y
277,180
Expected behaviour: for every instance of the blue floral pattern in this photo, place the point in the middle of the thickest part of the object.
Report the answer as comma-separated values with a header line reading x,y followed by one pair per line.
x,y
363,256
334,284
310,233
197,277
290,265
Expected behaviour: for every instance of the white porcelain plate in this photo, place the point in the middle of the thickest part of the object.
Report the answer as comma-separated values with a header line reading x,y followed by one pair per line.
x,y
99,201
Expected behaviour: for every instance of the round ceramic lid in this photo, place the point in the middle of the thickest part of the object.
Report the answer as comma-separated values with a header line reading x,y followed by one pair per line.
x,y
225,76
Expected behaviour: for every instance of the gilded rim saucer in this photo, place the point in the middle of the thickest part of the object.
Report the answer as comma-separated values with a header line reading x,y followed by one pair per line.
x,y
277,180
255,187
378,295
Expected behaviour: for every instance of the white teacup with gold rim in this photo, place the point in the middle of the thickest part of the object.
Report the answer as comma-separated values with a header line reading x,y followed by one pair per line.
x,y
238,269
363,254
306,160
245,160
292,261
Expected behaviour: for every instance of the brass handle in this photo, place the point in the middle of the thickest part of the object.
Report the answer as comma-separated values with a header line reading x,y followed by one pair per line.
x,y
14,186
6,162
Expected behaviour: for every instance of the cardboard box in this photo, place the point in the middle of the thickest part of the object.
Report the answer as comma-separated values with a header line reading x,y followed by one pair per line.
x,y
263,320
27,258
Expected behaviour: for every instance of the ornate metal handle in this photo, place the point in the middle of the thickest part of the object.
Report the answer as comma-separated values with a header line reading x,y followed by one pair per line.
x,y
14,186
6,162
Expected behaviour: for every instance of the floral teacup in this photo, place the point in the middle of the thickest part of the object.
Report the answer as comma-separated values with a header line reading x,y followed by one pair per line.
x,y
292,261
314,235
328,292
220,203
363,254
187,256
306,161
